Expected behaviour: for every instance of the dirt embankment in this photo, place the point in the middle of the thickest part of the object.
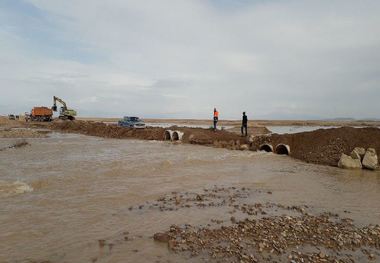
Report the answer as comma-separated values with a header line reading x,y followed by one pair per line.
x,y
253,123
324,146
191,135
107,131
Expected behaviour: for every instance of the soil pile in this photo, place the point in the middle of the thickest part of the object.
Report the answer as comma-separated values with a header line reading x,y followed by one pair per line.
x,y
209,136
108,131
191,135
324,146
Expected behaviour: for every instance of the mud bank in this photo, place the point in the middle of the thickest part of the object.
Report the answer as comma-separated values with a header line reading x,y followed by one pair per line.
x,y
191,135
323,146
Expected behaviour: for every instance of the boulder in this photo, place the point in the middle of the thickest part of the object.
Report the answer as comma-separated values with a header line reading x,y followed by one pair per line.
x,y
347,162
355,155
358,151
370,160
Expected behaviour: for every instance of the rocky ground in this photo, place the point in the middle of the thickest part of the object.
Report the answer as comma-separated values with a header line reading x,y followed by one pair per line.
x,y
262,232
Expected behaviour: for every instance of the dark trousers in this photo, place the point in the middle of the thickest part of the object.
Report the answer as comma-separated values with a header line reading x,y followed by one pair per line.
x,y
244,127
215,122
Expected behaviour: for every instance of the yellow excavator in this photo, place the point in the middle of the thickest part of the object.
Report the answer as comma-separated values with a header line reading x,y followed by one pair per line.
x,y
64,112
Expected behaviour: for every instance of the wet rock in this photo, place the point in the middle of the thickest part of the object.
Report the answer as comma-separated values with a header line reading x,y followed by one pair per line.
x,y
244,147
370,160
161,237
360,151
355,155
347,162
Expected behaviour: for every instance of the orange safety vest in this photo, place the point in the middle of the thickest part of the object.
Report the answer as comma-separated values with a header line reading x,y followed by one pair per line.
x,y
216,114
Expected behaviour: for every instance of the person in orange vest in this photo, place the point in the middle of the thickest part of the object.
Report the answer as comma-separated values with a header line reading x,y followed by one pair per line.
x,y
216,118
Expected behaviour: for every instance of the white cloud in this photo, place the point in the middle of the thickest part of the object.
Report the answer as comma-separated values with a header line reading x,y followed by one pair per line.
x,y
182,58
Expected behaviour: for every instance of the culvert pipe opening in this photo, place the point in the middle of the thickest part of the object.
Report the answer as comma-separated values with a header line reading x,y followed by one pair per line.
x,y
283,149
168,135
177,136
266,147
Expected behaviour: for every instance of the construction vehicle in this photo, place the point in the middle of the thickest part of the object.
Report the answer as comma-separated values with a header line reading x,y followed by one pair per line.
x,y
41,114
64,112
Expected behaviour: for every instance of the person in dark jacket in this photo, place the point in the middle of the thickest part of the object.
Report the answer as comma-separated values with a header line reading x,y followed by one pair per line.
x,y
244,125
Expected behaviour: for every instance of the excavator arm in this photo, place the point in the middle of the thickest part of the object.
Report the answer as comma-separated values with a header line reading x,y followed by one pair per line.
x,y
64,113
54,108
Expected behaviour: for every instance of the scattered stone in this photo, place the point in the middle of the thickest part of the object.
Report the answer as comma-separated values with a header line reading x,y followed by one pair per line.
x,y
244,147
347,162
199,198
161,237
370,160
277,235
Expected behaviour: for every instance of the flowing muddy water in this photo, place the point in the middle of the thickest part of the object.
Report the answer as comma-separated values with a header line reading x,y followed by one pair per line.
x,y
75,198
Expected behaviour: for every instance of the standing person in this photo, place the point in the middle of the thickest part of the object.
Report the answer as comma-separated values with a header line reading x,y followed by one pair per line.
x,y
244,125
216,118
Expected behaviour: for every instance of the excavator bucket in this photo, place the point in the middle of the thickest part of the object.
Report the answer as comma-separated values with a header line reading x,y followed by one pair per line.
x,y
54,108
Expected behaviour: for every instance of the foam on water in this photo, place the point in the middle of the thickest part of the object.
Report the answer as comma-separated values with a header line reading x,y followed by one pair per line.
x,y
14,188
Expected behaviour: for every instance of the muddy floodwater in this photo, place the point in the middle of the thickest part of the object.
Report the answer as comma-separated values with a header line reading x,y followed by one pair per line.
x,y
75,198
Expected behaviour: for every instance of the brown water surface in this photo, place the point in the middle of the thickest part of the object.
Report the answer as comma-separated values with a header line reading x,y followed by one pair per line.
x,y
64,193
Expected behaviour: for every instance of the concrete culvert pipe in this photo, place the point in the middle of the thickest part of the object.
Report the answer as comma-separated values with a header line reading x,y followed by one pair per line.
x,y
168,135
283,149
266,147
177,136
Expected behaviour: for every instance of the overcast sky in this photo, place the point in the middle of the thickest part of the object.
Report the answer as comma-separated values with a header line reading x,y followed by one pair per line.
x,y
180,58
